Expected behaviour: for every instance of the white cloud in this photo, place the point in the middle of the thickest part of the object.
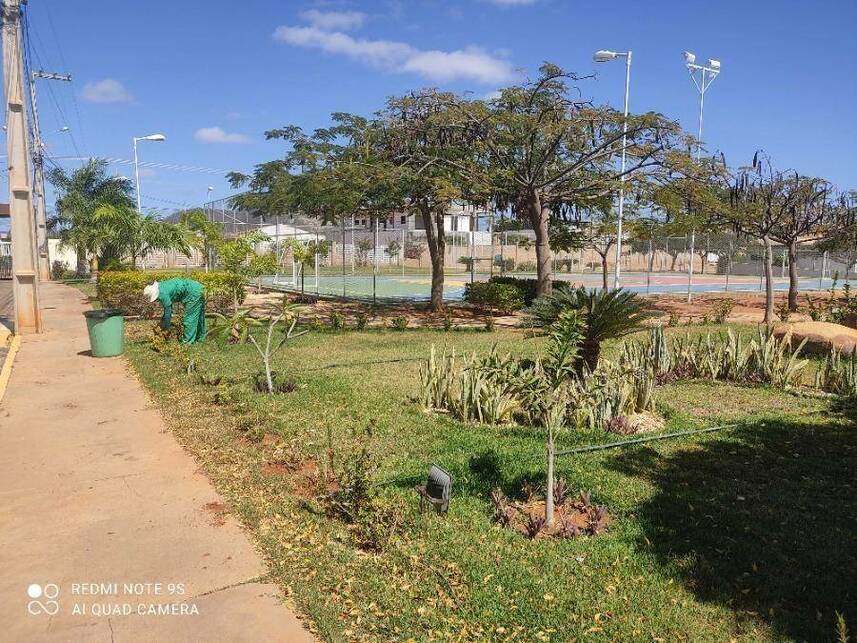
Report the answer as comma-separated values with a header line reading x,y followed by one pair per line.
x,y
106,91
469,64
334,20
217,135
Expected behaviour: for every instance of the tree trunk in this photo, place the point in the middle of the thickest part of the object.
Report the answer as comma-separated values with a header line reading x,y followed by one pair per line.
x,y
549,499
539,219
436,241
793,285
769,282
605,272
81,261
590,351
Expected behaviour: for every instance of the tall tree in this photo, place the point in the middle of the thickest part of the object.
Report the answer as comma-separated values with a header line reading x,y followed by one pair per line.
x,y
803,220
435,165
761,200
81,197
546,150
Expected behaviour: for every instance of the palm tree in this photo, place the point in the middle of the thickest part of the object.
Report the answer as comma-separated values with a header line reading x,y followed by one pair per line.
x,y
136,236
80,222
607,314
205,235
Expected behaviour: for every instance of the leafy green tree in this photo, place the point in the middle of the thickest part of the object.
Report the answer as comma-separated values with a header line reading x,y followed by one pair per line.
x,y
546,151
235,254
305,253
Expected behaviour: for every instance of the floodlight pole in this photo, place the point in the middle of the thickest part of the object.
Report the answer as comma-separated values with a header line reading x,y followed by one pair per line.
x,y
707,74
605,56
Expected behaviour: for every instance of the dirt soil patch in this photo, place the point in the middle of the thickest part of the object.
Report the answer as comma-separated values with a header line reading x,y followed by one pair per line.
x,y
820,337
572,518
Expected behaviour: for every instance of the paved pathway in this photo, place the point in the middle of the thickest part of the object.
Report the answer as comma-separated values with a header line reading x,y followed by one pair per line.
x,y
94,490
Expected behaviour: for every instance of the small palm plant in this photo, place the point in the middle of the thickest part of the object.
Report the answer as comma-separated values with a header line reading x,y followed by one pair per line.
x,y
606,315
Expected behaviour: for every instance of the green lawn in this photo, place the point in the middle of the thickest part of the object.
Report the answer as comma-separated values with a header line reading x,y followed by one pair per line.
x,y
745,534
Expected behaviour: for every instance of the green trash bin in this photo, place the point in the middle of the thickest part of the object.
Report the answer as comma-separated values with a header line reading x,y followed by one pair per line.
x,y
106,328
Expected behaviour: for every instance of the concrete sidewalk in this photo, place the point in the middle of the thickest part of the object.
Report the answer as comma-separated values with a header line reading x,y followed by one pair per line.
x,y
96,496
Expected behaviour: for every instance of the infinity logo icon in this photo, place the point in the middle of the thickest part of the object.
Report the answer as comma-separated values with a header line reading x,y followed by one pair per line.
x,y
43,599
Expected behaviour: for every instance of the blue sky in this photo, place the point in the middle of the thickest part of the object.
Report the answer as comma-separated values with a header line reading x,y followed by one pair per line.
x,y
214,75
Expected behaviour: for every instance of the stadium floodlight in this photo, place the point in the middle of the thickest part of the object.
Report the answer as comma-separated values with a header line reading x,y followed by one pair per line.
x,y
603,56
155,138
707,73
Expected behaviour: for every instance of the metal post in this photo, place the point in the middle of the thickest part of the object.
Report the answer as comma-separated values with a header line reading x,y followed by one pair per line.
x,y
707,75
137,176
375,263
39,186
25,278
402,250
343,256
618,269
472,246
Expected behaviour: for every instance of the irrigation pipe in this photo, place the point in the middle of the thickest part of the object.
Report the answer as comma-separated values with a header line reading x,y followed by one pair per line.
x,y
651,438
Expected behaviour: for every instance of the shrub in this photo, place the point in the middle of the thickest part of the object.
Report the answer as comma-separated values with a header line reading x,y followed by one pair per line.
x,y
526,266
504,298
399,323
527,287
506,264
124,289
337,320
360,321
721,310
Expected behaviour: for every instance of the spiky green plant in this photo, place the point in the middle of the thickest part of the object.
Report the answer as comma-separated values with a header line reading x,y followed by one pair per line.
x,y
838,374
606,314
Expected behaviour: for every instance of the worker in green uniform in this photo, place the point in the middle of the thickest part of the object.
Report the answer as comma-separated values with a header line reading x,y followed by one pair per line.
x,y
188,292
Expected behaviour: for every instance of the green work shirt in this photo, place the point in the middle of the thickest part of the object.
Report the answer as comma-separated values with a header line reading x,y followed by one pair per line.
x,y
185,291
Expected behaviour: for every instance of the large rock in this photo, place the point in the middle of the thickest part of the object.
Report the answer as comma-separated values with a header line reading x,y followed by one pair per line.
x,y
820,336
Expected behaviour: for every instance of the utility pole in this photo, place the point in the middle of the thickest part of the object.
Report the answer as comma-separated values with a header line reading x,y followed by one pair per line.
x,y
39,167
25,278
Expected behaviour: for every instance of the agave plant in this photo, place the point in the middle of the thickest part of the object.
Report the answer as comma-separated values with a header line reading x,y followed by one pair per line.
x,y
606,314
436,375
774,361
838,374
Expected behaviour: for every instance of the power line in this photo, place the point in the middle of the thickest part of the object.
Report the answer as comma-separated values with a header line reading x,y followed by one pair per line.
x,y
164,166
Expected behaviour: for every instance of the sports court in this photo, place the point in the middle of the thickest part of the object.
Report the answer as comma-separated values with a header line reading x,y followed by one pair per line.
x,y
417,287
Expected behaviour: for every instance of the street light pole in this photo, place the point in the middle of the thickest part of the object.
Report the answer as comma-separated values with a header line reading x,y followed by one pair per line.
x,y
605,56
707,74
157,138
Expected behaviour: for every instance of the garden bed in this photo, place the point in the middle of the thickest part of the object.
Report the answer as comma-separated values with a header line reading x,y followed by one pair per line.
x,y
698,540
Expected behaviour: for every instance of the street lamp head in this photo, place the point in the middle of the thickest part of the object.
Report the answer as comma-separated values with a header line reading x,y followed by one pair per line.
x,y
154,137
63,130
689,58
604,55
713,64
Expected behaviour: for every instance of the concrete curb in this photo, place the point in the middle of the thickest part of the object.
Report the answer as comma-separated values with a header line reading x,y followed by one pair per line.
x,y
6,372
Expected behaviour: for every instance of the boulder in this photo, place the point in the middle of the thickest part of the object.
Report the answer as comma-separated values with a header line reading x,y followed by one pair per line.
x,y
820,336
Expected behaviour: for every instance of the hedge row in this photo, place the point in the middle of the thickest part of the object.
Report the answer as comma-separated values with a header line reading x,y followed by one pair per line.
x,y
527,287
124,289
503,298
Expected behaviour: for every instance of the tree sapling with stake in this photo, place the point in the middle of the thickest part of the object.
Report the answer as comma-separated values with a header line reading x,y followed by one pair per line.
x,y
289,314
